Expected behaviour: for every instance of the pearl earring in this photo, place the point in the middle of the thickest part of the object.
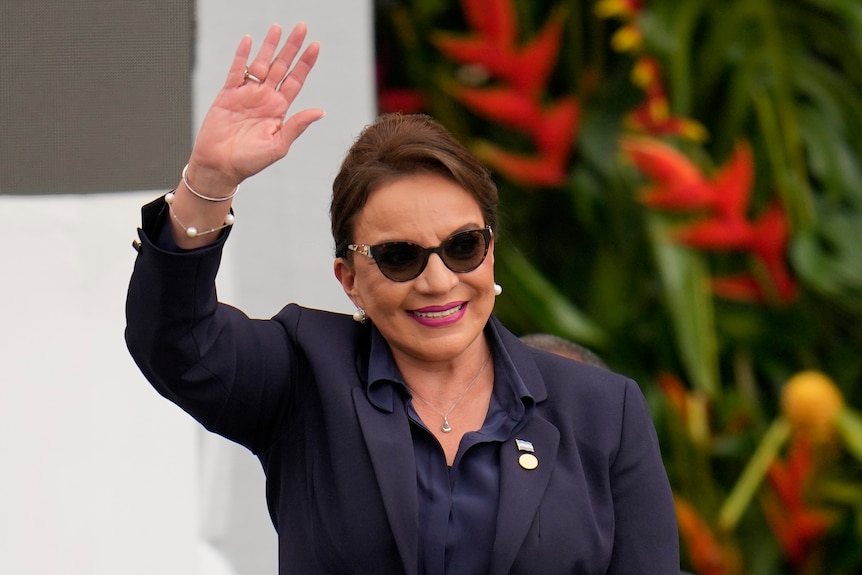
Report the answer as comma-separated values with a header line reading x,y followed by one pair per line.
x,y
359,315
498,289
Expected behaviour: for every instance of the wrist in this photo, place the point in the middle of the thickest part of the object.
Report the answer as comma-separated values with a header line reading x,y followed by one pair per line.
x,y
208,184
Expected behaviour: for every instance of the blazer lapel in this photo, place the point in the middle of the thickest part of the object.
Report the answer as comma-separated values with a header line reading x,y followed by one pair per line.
x,y
387,435
522,489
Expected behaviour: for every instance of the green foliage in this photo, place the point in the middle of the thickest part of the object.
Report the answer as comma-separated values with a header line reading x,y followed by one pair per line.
x,y
586,260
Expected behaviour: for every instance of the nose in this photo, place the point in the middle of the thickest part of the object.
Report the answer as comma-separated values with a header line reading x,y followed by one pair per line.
x,y
436,277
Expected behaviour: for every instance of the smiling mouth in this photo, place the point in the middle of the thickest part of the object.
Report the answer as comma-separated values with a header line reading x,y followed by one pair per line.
x,y
438,314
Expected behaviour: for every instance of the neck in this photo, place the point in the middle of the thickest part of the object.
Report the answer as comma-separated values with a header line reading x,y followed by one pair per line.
x,y
445,411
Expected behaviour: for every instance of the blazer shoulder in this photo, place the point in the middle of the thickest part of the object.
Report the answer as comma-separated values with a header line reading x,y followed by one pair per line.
x,y
323,333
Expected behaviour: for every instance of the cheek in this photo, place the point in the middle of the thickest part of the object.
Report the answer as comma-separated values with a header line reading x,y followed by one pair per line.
x,y
380,296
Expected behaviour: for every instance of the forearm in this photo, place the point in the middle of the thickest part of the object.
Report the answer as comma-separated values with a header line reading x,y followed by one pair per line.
x,y
169,296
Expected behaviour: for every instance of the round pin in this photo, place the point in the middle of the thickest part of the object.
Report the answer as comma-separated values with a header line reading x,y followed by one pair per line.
x,y
528,461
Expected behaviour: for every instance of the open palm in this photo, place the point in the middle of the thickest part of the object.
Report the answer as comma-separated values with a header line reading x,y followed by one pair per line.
x,y
247,127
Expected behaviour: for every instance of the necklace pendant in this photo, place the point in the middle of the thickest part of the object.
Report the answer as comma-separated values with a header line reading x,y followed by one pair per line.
x,y
446,428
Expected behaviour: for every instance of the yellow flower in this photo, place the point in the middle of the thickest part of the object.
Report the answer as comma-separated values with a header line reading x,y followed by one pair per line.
x,y
811,402
627,39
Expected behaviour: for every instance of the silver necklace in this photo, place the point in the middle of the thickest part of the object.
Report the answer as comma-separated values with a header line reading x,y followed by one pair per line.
x,y
445,427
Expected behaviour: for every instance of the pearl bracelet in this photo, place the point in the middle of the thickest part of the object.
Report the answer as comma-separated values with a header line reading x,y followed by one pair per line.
x,y
201,196
192,231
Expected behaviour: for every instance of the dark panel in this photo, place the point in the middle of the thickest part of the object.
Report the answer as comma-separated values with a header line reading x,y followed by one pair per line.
x,y
95,95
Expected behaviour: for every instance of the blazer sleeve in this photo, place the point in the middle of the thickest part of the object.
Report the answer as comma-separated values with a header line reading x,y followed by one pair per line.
x,y
231,373
646,539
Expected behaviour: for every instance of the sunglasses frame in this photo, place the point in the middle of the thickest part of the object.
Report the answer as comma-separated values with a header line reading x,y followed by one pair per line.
x,y
368,251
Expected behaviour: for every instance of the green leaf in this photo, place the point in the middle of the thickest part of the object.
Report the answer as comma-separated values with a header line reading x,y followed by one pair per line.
x,y
850,428
687,296
545,304
752,476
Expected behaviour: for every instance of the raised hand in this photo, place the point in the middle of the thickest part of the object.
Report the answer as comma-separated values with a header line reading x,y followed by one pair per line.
x,y
247,128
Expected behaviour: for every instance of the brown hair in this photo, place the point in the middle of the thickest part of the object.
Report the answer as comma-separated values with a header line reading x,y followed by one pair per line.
x,y
399,145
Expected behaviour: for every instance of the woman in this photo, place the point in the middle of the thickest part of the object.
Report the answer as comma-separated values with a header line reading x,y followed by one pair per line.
x,y
418,436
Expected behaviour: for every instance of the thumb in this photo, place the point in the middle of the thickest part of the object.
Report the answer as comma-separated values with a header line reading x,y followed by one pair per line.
x,y
298,123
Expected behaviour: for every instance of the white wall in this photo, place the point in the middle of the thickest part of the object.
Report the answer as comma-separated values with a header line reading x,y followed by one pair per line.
x,y
101,475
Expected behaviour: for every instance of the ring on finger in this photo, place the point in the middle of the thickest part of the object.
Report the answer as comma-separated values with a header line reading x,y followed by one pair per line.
x,y
249,76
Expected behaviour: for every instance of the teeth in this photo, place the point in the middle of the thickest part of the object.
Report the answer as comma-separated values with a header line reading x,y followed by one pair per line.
x,y
438,314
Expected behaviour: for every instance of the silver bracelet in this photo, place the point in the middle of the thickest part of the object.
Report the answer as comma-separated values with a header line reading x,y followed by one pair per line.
x,y
192,231
201,196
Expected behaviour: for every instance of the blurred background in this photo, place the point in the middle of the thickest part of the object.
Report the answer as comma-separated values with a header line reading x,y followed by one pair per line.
x,y
681,192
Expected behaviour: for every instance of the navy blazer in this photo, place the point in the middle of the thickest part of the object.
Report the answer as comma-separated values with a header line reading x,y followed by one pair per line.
x,y
341,485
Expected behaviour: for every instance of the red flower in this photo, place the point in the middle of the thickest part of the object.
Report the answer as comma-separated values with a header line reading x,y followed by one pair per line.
x,y
494,47
717,234
471,50
769,244
529,171
796,525
743,287
653,115
518,100
766,239
679,185
502,105
533,64
493,19
555,133
404,100
652,118
733,183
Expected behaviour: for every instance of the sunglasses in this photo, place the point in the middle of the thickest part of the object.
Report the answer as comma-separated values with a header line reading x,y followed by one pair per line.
x,y
404,261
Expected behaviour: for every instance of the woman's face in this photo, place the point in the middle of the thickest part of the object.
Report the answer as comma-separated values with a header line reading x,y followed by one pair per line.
x,y
440,314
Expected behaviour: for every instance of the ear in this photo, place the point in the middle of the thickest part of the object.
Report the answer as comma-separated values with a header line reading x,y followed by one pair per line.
x,y
346,275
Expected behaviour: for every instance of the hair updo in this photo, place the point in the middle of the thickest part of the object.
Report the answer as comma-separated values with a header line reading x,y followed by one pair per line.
x,y
396,146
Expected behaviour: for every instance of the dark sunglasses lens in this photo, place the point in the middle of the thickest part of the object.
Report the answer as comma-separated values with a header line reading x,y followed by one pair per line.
x,y
399,261
465,251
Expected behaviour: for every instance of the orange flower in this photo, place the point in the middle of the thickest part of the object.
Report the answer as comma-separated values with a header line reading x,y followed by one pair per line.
x,y
811,402
703,548
676,394
621,8
629,38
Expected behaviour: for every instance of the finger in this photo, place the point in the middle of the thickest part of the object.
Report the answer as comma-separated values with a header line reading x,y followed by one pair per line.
x,y
297,124
236,73
260,66
294,81
281,64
